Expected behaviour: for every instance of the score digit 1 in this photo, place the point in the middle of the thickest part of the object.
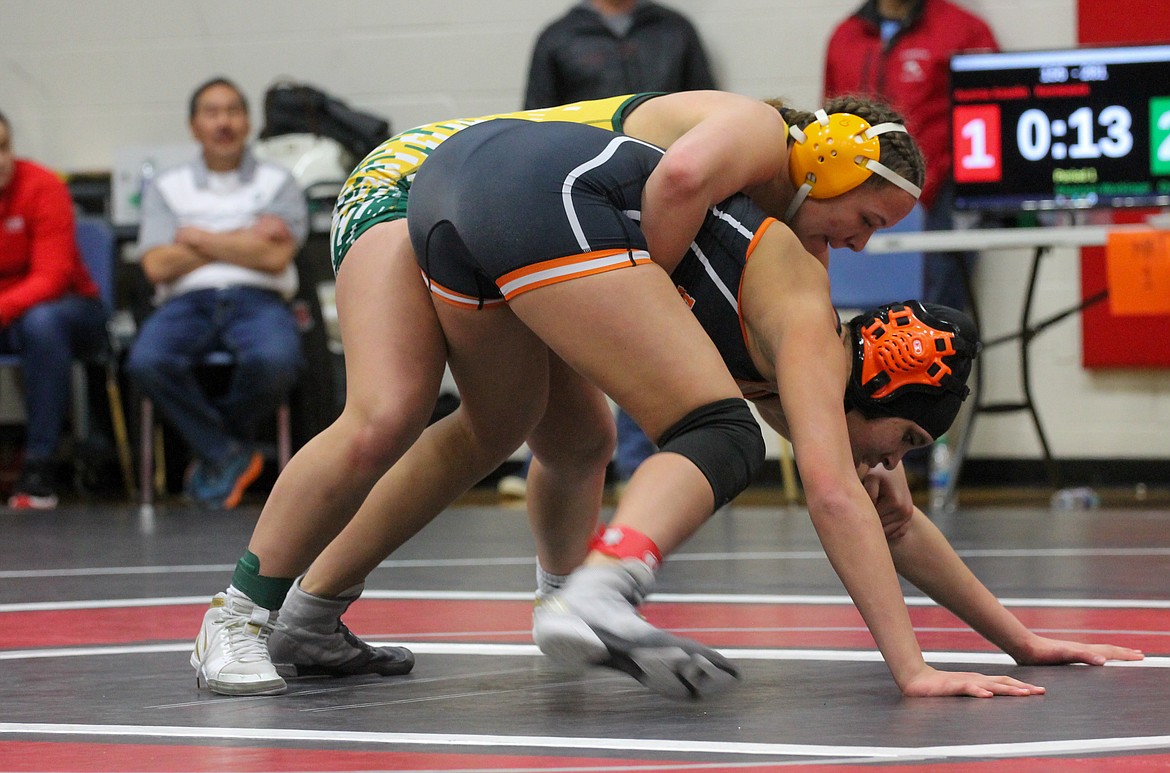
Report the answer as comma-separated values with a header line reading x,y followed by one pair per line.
x,y
978,149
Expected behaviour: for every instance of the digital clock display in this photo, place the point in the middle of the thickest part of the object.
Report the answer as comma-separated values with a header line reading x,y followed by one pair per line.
x,y
1061,129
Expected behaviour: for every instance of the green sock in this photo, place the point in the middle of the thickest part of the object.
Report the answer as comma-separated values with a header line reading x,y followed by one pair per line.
x,y
268,592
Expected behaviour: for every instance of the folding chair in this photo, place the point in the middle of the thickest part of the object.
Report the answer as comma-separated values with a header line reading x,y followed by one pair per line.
x,y
96,241
152,472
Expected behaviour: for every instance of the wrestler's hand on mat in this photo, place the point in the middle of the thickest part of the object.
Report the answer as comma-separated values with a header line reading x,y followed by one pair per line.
x,y
932,683
1041,651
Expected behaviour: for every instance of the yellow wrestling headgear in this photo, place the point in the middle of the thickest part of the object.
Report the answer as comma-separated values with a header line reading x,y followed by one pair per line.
x,y
835,154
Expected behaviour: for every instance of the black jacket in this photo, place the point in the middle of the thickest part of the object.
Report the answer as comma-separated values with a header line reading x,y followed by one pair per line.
x,y
577,57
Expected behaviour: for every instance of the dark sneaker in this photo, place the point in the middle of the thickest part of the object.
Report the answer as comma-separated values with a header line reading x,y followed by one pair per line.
x,y
34,490
593,621
224,487
311,640
192,478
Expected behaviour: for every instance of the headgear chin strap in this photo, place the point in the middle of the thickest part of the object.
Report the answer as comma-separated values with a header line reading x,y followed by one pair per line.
x,y
911,361
835,154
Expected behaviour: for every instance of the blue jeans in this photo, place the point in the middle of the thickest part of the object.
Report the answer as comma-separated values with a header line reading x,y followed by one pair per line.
x,y
255,326
633,447
47,338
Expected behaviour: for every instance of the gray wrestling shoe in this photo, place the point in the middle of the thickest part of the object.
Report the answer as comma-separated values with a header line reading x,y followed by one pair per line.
x,y
311,640
594,621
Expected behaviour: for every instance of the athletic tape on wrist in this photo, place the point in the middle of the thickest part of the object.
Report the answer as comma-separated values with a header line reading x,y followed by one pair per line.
x,y
624,542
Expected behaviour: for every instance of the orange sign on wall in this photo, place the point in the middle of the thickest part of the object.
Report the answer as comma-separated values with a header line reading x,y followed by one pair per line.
x,y
1137,266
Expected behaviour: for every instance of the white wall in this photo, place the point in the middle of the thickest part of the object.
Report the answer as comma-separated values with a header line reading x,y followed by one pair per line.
x,y
1110,414
80,78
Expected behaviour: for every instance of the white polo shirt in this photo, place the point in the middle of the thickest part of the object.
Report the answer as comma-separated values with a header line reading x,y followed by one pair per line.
x,y
193,195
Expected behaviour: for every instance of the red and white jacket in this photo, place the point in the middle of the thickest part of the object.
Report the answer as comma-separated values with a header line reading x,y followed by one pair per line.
x,y
39,260
911,72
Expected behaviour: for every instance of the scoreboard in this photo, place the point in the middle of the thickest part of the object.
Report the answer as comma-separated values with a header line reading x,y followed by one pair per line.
x,y
1067,129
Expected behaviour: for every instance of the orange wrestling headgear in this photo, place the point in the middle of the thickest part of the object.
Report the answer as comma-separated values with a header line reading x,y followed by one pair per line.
x,y
912,360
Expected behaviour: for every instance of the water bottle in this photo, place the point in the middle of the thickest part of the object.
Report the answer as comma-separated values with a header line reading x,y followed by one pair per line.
x,y
145,175
940,475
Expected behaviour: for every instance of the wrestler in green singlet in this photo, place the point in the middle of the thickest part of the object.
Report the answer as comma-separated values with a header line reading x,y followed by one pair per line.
x,y
377,189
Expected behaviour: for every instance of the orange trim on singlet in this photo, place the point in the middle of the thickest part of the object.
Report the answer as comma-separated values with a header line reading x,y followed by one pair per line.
x,y
458,299
549,272
764,226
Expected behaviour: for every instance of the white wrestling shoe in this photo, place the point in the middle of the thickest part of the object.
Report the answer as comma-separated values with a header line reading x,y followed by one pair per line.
x,y
311,640
593,621
231,651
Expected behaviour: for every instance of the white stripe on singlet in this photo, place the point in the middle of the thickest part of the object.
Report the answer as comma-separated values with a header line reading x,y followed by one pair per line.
x,y
588,266
724,290
571,180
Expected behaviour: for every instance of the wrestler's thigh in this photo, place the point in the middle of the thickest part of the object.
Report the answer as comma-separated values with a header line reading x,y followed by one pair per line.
x,y
628,333
394,349
577,424
499,366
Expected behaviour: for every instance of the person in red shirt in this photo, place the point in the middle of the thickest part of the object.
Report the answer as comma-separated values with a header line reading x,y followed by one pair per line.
x,y
50,310
900,51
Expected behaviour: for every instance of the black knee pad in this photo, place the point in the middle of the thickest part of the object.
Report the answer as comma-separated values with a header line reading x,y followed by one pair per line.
x,y
724,441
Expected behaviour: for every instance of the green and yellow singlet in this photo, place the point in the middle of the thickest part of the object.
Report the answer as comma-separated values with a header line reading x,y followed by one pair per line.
x,y
377,189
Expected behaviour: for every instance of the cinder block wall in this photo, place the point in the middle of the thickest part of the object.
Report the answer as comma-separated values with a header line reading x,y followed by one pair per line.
x,y
79,79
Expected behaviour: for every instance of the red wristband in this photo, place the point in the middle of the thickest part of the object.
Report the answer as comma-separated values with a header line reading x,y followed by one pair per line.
x,y
624,542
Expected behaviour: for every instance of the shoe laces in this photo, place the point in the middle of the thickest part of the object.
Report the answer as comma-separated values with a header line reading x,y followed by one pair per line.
x,y
247,634
354,641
